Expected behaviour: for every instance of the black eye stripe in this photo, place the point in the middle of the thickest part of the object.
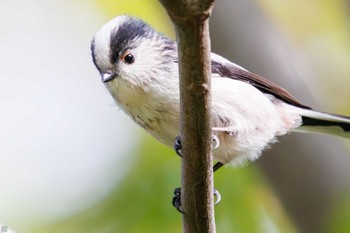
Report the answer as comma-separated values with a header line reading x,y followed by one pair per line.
x,y
123,36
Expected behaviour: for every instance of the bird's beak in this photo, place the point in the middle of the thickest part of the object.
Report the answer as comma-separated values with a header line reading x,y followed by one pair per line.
x,y
106,77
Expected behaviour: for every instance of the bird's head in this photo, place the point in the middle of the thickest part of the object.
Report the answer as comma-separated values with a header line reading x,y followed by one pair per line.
x,y
129,49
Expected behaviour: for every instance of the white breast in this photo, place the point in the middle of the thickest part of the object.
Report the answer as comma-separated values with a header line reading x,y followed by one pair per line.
x,y
251,119
157,113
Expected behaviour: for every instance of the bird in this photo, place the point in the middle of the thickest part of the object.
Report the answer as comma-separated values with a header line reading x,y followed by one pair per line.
x,y
139,67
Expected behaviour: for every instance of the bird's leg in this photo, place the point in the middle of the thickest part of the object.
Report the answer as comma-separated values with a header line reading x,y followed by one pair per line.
x,y
177,199
227,130
217,166
177,192
215,145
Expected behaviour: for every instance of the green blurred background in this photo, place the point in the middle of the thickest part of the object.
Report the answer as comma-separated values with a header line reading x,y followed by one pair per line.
x,y
302,185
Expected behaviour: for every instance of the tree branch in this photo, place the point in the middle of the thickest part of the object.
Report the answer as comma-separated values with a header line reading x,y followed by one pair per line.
x,y
190,18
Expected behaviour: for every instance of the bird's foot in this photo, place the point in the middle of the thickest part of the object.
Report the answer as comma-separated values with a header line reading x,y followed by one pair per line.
x,y
177,144
177,199
215,145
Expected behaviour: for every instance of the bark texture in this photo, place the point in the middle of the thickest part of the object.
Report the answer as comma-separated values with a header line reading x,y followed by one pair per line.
x,y
190,19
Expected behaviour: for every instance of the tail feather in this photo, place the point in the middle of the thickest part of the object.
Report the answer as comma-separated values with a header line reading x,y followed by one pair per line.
x,y
320,122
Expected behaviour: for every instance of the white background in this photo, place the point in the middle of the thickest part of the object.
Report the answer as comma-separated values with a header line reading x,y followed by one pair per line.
x,y
63,142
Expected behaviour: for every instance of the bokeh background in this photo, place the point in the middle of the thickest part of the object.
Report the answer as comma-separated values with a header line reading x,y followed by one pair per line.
x,y
71,161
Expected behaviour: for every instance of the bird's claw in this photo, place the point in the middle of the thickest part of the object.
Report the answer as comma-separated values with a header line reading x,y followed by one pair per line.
x,y
218,196
177,199
215,142
177,144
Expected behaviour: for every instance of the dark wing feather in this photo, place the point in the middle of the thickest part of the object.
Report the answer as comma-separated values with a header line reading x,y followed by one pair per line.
x,y
266,86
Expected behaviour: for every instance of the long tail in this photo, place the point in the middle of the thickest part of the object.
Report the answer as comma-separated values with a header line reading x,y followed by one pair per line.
x,y
320,122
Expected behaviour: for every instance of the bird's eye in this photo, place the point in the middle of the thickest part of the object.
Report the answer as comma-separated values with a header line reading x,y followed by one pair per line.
x,y
128,58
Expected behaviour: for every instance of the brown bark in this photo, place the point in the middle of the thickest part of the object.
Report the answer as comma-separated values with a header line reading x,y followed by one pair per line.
x,y
190,19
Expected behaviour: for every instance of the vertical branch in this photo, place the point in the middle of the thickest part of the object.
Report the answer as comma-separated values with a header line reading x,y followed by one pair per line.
x,y
190,18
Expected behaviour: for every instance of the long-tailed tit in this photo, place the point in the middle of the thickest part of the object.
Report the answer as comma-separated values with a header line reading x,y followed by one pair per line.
x,y
139,67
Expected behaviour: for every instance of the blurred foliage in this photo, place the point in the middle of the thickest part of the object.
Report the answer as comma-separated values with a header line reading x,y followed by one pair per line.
x,y
341,214
320,18
142,202
149,10
320,30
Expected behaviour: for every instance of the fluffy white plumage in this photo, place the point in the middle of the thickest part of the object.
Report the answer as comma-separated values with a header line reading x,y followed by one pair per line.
x,y
245,118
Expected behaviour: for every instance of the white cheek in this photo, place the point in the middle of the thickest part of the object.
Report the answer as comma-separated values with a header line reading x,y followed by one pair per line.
x,y
102,42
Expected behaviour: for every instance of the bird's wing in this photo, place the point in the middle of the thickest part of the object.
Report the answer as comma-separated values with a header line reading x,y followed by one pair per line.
x,y
233,71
